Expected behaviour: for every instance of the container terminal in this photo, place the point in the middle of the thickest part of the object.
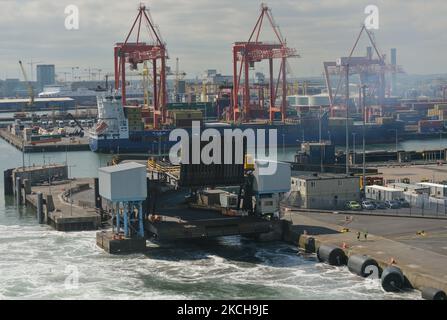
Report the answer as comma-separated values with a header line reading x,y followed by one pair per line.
x,y
357,97
380,213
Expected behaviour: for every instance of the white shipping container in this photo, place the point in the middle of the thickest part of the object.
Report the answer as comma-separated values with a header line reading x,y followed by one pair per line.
x,y
123,182
436,190
267,205
228,200
383,193
278,182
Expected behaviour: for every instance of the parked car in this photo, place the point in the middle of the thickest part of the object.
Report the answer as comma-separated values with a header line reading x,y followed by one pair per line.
x,y
393,204
404,203
368,205
353,205
380,205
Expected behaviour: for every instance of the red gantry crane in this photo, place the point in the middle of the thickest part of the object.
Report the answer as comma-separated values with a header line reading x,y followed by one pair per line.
x,y
138,52
252,51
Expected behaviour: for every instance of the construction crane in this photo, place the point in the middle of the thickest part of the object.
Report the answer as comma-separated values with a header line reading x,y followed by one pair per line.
x,y
31,64
179,75
252,51
134,53
30,87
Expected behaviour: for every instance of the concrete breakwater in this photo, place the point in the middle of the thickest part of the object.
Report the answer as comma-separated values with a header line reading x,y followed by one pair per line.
x,y
420,258
65,204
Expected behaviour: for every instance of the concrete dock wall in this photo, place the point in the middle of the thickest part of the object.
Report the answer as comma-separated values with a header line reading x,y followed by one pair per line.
x,y
421,267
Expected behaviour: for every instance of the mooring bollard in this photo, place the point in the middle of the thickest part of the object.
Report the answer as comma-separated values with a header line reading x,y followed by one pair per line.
x,y
18,190
27,186
8,183
50,203
98,202
40,214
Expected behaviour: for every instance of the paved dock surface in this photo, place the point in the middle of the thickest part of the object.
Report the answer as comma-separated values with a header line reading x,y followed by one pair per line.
x,y
66,144
415,173
182,222
423,259
78,215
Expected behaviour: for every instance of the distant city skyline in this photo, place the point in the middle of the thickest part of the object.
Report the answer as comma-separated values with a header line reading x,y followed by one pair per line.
x,y
200,33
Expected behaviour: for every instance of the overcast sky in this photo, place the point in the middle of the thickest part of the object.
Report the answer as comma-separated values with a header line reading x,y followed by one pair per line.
x,y
201,32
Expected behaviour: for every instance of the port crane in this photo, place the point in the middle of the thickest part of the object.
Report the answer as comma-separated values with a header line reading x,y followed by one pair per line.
x,y
371,70
29,85
246,54
138,52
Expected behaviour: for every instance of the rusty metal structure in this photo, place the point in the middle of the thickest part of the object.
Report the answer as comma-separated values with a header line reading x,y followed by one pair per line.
x,y
245,55
134,53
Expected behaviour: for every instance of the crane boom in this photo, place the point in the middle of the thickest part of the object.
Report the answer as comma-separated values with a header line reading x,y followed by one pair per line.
x,y
30,87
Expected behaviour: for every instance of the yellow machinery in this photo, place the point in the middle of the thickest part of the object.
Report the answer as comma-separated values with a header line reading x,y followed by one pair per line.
x,y
249,163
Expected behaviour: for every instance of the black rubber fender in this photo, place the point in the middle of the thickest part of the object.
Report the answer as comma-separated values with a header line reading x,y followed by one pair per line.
x,y
363,265
333,255
433,294
392,279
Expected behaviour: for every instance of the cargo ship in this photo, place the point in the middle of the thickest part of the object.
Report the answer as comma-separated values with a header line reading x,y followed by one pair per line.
x,y
118,132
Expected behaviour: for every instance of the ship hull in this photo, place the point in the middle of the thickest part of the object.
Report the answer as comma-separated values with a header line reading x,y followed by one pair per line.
x,y
157,141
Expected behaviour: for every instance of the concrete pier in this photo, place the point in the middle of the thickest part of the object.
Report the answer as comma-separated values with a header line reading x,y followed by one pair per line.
x,y
59,212
66,144
391,241
112,244
169,229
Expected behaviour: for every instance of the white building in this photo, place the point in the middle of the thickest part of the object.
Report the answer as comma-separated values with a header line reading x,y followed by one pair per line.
x,y
436,190
410,188
270,188
381,193
324,191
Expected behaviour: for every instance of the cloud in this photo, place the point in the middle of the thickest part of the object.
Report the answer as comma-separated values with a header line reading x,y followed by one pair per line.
x,y
201,32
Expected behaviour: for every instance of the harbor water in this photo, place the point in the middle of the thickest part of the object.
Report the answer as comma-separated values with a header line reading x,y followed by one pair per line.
x,y
40,263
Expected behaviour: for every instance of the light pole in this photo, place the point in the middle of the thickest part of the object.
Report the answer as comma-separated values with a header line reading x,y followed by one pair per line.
x,y
73,73
89,73
363,138
283,145
396,141
440,146
319,126
353,147
70,178
23,154
347,119
49,175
